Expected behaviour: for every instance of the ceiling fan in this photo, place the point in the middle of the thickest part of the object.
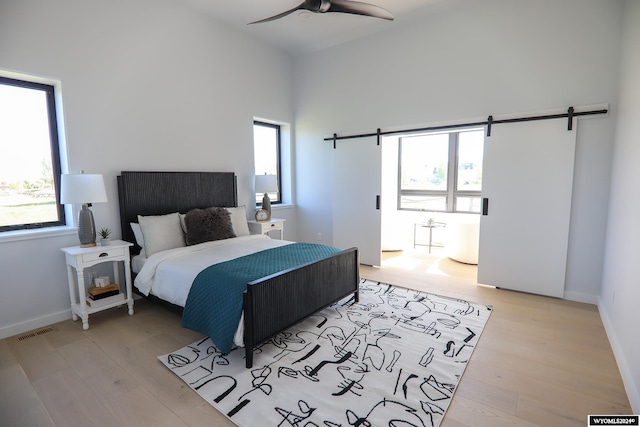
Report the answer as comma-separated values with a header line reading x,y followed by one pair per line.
x,y
343,6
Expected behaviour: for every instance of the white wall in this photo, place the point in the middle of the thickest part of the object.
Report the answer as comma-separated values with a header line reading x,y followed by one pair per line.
x,y
466,60
147,85
154,85
621,284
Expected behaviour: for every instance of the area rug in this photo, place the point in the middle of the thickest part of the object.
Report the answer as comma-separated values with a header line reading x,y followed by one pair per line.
x,y
392,359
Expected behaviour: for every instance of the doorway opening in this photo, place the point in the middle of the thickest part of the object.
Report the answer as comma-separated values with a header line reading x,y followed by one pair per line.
x,y
430,203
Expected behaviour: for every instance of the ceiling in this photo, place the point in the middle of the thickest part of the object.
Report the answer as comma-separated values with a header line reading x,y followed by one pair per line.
x,y
302,31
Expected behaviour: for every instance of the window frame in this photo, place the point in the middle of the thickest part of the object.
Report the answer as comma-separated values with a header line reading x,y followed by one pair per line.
x,y
278,129
451,193
54,142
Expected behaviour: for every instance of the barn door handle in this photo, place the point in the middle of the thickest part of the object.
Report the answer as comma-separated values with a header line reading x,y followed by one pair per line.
x,y
378,202
485,206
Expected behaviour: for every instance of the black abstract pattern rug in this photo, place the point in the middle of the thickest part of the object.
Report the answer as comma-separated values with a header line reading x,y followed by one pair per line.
x,y
393,359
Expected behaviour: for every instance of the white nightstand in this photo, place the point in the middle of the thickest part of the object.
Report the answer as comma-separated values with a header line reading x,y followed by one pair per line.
x,y
80,258
264,227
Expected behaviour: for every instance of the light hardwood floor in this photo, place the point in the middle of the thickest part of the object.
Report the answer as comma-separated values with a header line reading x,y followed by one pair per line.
x,y
540,362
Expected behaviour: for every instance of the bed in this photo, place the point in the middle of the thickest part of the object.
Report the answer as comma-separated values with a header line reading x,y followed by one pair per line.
x,y
270,304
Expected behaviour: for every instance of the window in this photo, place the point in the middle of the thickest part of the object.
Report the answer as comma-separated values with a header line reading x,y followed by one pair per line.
x,y
441,171
266,146
29,156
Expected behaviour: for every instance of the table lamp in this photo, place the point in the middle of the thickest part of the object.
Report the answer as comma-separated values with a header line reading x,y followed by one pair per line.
x,y
266,184
85,189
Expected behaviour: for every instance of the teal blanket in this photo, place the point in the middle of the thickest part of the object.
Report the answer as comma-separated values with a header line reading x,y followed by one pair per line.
x,y
214,304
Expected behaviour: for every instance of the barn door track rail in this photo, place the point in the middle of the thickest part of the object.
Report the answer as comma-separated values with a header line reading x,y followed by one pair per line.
x,y
570,114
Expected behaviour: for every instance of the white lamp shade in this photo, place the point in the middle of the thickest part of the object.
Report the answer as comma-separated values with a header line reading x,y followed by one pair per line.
x,y
266,184
82,188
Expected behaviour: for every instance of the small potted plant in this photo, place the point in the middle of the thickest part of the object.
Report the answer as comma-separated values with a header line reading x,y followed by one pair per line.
x,y
105,238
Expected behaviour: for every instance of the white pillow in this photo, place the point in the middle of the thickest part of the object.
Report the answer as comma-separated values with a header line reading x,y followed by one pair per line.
x,y
183,224
161,232
137,232
239,221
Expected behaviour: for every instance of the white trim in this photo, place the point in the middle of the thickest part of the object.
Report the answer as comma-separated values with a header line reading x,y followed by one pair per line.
x,y
29,325
275,207
36,233
281,206
623,364
286,157
581,297
18,75
63,153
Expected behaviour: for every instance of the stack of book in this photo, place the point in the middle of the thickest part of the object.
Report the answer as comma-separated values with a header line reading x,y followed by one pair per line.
x,y
99,297
96,293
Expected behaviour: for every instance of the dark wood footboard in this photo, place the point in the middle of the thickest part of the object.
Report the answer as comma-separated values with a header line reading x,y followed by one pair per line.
x,y
276,302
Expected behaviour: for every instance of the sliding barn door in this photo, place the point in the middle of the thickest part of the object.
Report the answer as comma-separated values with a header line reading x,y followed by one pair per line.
x,y
527,180
357,178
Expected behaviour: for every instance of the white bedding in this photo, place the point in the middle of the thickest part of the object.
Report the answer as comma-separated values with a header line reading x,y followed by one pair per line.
x,y
137,262
169,274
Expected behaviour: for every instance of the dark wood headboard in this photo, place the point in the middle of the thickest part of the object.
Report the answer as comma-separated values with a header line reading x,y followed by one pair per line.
x,y
158,193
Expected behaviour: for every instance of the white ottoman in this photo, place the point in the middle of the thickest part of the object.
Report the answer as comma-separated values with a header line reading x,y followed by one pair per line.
x,y
463,238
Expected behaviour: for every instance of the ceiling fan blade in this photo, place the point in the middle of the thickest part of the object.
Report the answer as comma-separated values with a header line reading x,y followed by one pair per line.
x,y
359,8
280,15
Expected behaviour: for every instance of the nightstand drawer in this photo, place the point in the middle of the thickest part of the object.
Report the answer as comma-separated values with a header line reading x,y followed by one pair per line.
x,y
103,254
264,227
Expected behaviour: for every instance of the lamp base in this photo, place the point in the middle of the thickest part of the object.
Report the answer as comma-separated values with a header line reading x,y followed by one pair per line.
x,y
86,227
266,202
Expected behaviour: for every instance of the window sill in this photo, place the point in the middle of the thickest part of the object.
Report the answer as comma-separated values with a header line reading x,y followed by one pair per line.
x,y
279,206
18,235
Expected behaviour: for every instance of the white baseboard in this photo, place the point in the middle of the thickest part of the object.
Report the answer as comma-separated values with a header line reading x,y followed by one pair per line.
x,y
19,328
623,364
581,297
